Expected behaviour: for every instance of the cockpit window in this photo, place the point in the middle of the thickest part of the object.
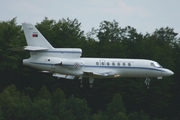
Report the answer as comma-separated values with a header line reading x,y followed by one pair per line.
x,y
152,64
155,64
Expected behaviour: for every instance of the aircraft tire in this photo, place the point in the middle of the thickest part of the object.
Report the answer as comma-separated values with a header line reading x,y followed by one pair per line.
x,y
90,85
81,85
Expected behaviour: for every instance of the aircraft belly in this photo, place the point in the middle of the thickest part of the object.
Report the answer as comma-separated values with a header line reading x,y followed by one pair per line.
x,y
156,73
92,71
134,73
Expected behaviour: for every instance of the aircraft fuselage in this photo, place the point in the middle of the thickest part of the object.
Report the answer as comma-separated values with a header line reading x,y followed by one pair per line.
x,y
67,62
101,67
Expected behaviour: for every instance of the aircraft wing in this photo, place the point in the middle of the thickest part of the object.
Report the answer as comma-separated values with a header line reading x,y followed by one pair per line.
x,y
60,75
102,74
60,64
63,76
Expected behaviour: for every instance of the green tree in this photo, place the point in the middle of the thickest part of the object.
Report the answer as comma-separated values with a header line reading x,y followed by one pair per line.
x,y
120,116
44,93
10,36
116,109
9,101
41,110
58,97
100,116
24,108
133,43
64,33
138,116
110,36
59,106
1,115
78,107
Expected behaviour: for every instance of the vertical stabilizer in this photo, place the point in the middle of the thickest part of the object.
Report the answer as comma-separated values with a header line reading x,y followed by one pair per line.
x,y
34,37
38,46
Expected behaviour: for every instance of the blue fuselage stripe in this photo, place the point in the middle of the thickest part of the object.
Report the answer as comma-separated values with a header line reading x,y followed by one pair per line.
x,y
92,66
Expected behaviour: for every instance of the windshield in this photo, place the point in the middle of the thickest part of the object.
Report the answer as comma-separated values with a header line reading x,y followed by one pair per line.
x,y
155,64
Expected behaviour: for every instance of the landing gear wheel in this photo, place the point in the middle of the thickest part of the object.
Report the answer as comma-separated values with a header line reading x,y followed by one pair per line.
x,y
147,82
81,85
91,80
90,85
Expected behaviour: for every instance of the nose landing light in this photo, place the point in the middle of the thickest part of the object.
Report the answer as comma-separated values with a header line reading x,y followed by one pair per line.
x,y
117,75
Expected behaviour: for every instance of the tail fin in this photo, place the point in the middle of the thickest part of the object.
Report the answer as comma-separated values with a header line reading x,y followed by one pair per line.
x,y
34,38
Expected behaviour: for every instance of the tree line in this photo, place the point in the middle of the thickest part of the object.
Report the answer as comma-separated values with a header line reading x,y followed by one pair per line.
x,y
55,106
27,93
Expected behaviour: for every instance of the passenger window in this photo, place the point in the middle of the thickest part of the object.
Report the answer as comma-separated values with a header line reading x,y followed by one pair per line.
x,y
108,63
97,63
102,63
129,64
118,64
113,63
124,64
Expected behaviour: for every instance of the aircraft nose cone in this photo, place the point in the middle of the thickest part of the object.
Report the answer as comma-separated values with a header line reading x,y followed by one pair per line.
x,y
168,72
171,72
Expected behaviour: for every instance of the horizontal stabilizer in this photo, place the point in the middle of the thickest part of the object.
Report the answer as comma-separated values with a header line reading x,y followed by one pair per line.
x,y
35,48
30,48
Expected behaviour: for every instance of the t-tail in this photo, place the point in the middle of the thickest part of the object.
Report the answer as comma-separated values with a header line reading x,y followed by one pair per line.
x,y
38,46
35,40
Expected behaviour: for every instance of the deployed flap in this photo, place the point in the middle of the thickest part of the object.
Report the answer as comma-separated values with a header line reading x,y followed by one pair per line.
x,y
35,48
45,71
63,76
89,73
59,75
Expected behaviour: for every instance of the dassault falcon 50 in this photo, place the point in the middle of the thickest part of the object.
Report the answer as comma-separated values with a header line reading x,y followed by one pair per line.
x,y
67,63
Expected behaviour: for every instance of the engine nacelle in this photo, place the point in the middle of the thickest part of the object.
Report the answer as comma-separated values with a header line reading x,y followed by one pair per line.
x,y
76,64
71,63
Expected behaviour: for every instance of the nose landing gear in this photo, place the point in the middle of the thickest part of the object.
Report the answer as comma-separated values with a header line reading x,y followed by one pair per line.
x,y
147,82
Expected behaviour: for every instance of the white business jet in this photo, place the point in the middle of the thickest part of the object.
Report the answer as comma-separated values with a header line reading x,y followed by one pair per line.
x,y
67,62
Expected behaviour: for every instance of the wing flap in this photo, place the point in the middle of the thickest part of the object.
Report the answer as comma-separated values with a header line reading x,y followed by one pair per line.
x,y
63,76
103,74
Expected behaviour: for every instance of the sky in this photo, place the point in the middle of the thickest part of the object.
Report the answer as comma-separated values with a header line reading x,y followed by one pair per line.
x,y
143,15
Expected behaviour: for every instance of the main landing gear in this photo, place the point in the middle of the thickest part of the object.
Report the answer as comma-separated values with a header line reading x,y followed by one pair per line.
x,y
91,80
147,82
81,84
